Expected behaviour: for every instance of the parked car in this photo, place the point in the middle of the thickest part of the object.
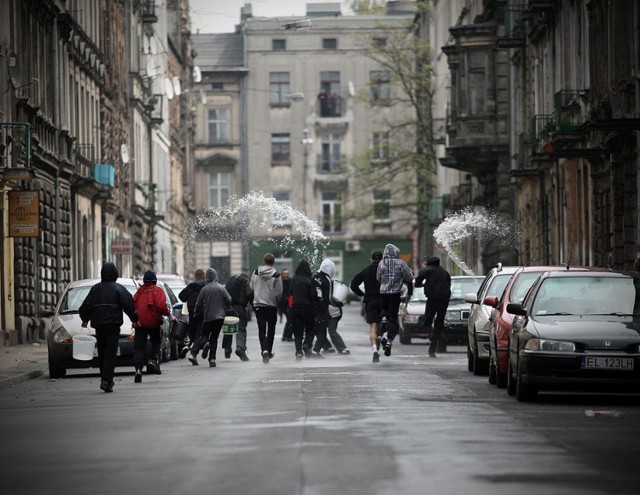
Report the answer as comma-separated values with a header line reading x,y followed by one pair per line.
x,y
66,323
479,314
455,319
576,330
500,323
175,282
175,305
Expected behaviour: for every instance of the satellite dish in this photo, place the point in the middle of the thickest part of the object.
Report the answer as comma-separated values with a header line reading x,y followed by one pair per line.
x,y
203,97
124,153
14,70
197,74
177,88
352,89
168,88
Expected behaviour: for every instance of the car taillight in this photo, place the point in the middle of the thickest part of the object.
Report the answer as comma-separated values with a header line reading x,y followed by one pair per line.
x,y
61,336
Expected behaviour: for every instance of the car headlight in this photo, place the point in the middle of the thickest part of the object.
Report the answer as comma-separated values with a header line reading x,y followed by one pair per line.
x,y
549,345
60,335
452,316
410,318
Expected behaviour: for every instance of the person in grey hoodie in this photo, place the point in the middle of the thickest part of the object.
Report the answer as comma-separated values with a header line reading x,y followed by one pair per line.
x,y
211,306
392,273
266,284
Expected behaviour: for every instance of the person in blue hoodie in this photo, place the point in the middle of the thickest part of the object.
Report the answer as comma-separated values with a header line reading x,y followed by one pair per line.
x,y
211,306
392,273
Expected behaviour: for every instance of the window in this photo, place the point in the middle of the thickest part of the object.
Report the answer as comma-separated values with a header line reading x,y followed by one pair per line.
x,y
329,43
279,88
380,146
381,205
278,45
330,159
218,125
281,216
380,87
218,190
329,96
280,149
331,211
476,64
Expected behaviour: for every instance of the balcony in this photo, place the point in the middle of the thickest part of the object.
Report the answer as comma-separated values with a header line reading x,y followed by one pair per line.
x,y
330,106
611,113
329,165
514,27
149,12
85,160
556,135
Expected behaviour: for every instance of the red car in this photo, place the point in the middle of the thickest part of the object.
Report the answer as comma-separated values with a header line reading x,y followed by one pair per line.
x,y
514,292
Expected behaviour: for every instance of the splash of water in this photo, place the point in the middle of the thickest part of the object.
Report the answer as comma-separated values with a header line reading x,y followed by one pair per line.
x,y
256,217
472,223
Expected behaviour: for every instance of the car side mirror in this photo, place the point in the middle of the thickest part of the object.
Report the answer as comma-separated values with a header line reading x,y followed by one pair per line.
x,y
471,297
516,309
491,301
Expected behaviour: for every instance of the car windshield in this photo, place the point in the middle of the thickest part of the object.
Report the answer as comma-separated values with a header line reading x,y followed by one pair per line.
x,y
462,286
587,296
496,288
73,298
521,286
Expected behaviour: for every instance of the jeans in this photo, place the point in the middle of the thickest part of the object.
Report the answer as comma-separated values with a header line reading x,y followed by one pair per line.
x,y
140,346
435,308
241,336
320,327
210,332
267,318
390,307
336,339
107,338
302,325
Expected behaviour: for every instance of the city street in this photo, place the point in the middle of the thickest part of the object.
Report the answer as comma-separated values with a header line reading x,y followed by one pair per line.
x,y
340,425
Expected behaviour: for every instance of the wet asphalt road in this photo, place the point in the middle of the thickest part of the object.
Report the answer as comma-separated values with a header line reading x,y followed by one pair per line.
x,y
340,425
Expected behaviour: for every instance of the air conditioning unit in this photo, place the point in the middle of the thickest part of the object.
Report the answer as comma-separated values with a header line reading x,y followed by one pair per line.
x,y
352,246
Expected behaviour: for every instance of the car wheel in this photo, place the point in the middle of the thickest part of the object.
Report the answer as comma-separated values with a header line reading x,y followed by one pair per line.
x,y
511,381
56,371
492,371
501,378
524,391
470,359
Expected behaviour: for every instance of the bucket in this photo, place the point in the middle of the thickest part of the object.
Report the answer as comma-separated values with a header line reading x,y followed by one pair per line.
x,y
83,347
340,292
179,330
230,325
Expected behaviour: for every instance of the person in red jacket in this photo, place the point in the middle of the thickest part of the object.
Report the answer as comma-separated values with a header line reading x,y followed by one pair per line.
x,y
151,305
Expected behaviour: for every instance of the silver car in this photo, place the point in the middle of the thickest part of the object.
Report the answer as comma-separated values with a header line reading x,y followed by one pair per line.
x,y
478,346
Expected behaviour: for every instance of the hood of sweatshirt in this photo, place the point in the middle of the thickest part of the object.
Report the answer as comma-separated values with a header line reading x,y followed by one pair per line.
x,y
109,272
327,266
211,276
266,272
303,268
391,251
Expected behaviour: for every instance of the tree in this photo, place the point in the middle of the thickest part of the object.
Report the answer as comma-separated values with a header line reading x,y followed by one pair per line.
x,y
402,159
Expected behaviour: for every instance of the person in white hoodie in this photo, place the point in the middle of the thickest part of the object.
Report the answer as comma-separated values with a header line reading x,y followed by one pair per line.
x,y
266,284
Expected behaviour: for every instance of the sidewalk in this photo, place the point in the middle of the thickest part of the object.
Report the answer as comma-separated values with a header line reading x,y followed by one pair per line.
x,y
22,362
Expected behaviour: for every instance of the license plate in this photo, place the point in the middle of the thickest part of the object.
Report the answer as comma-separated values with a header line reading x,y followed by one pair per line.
x,y
610,363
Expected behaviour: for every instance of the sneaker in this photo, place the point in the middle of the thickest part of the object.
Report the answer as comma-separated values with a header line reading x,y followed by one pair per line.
x,y
384,324
242,355
227,353
271,355
306,348
376,357
138,377
329,350
378,339
205,350
345,351
383,342
212,363
299,356
106,385
387,349
153,367
183,352
265,357
432,354
194,359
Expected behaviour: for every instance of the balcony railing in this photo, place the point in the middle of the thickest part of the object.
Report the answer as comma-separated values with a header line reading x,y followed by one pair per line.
x,y
514,27
331,106
329,165
149,11
542,128
569,110
85,160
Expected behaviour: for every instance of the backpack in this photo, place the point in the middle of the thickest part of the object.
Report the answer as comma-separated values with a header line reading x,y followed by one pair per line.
x,y
317,283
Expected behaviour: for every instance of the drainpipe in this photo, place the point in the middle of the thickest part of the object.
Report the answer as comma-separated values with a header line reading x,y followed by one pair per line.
x,y
636,67
56,121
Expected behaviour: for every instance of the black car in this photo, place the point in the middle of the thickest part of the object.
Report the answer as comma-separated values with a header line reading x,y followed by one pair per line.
x,y
576,330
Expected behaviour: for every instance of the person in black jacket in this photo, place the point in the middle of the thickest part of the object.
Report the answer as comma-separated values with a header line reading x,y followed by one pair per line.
x,y
103,307
283,306
372,299
437,289
241,295
190,295
304,299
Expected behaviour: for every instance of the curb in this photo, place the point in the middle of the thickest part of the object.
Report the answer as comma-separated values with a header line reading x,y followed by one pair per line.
x,y
9,382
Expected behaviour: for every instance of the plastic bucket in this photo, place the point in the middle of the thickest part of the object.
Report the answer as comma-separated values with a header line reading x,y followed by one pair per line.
x,y
83,347
340,292
230,325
